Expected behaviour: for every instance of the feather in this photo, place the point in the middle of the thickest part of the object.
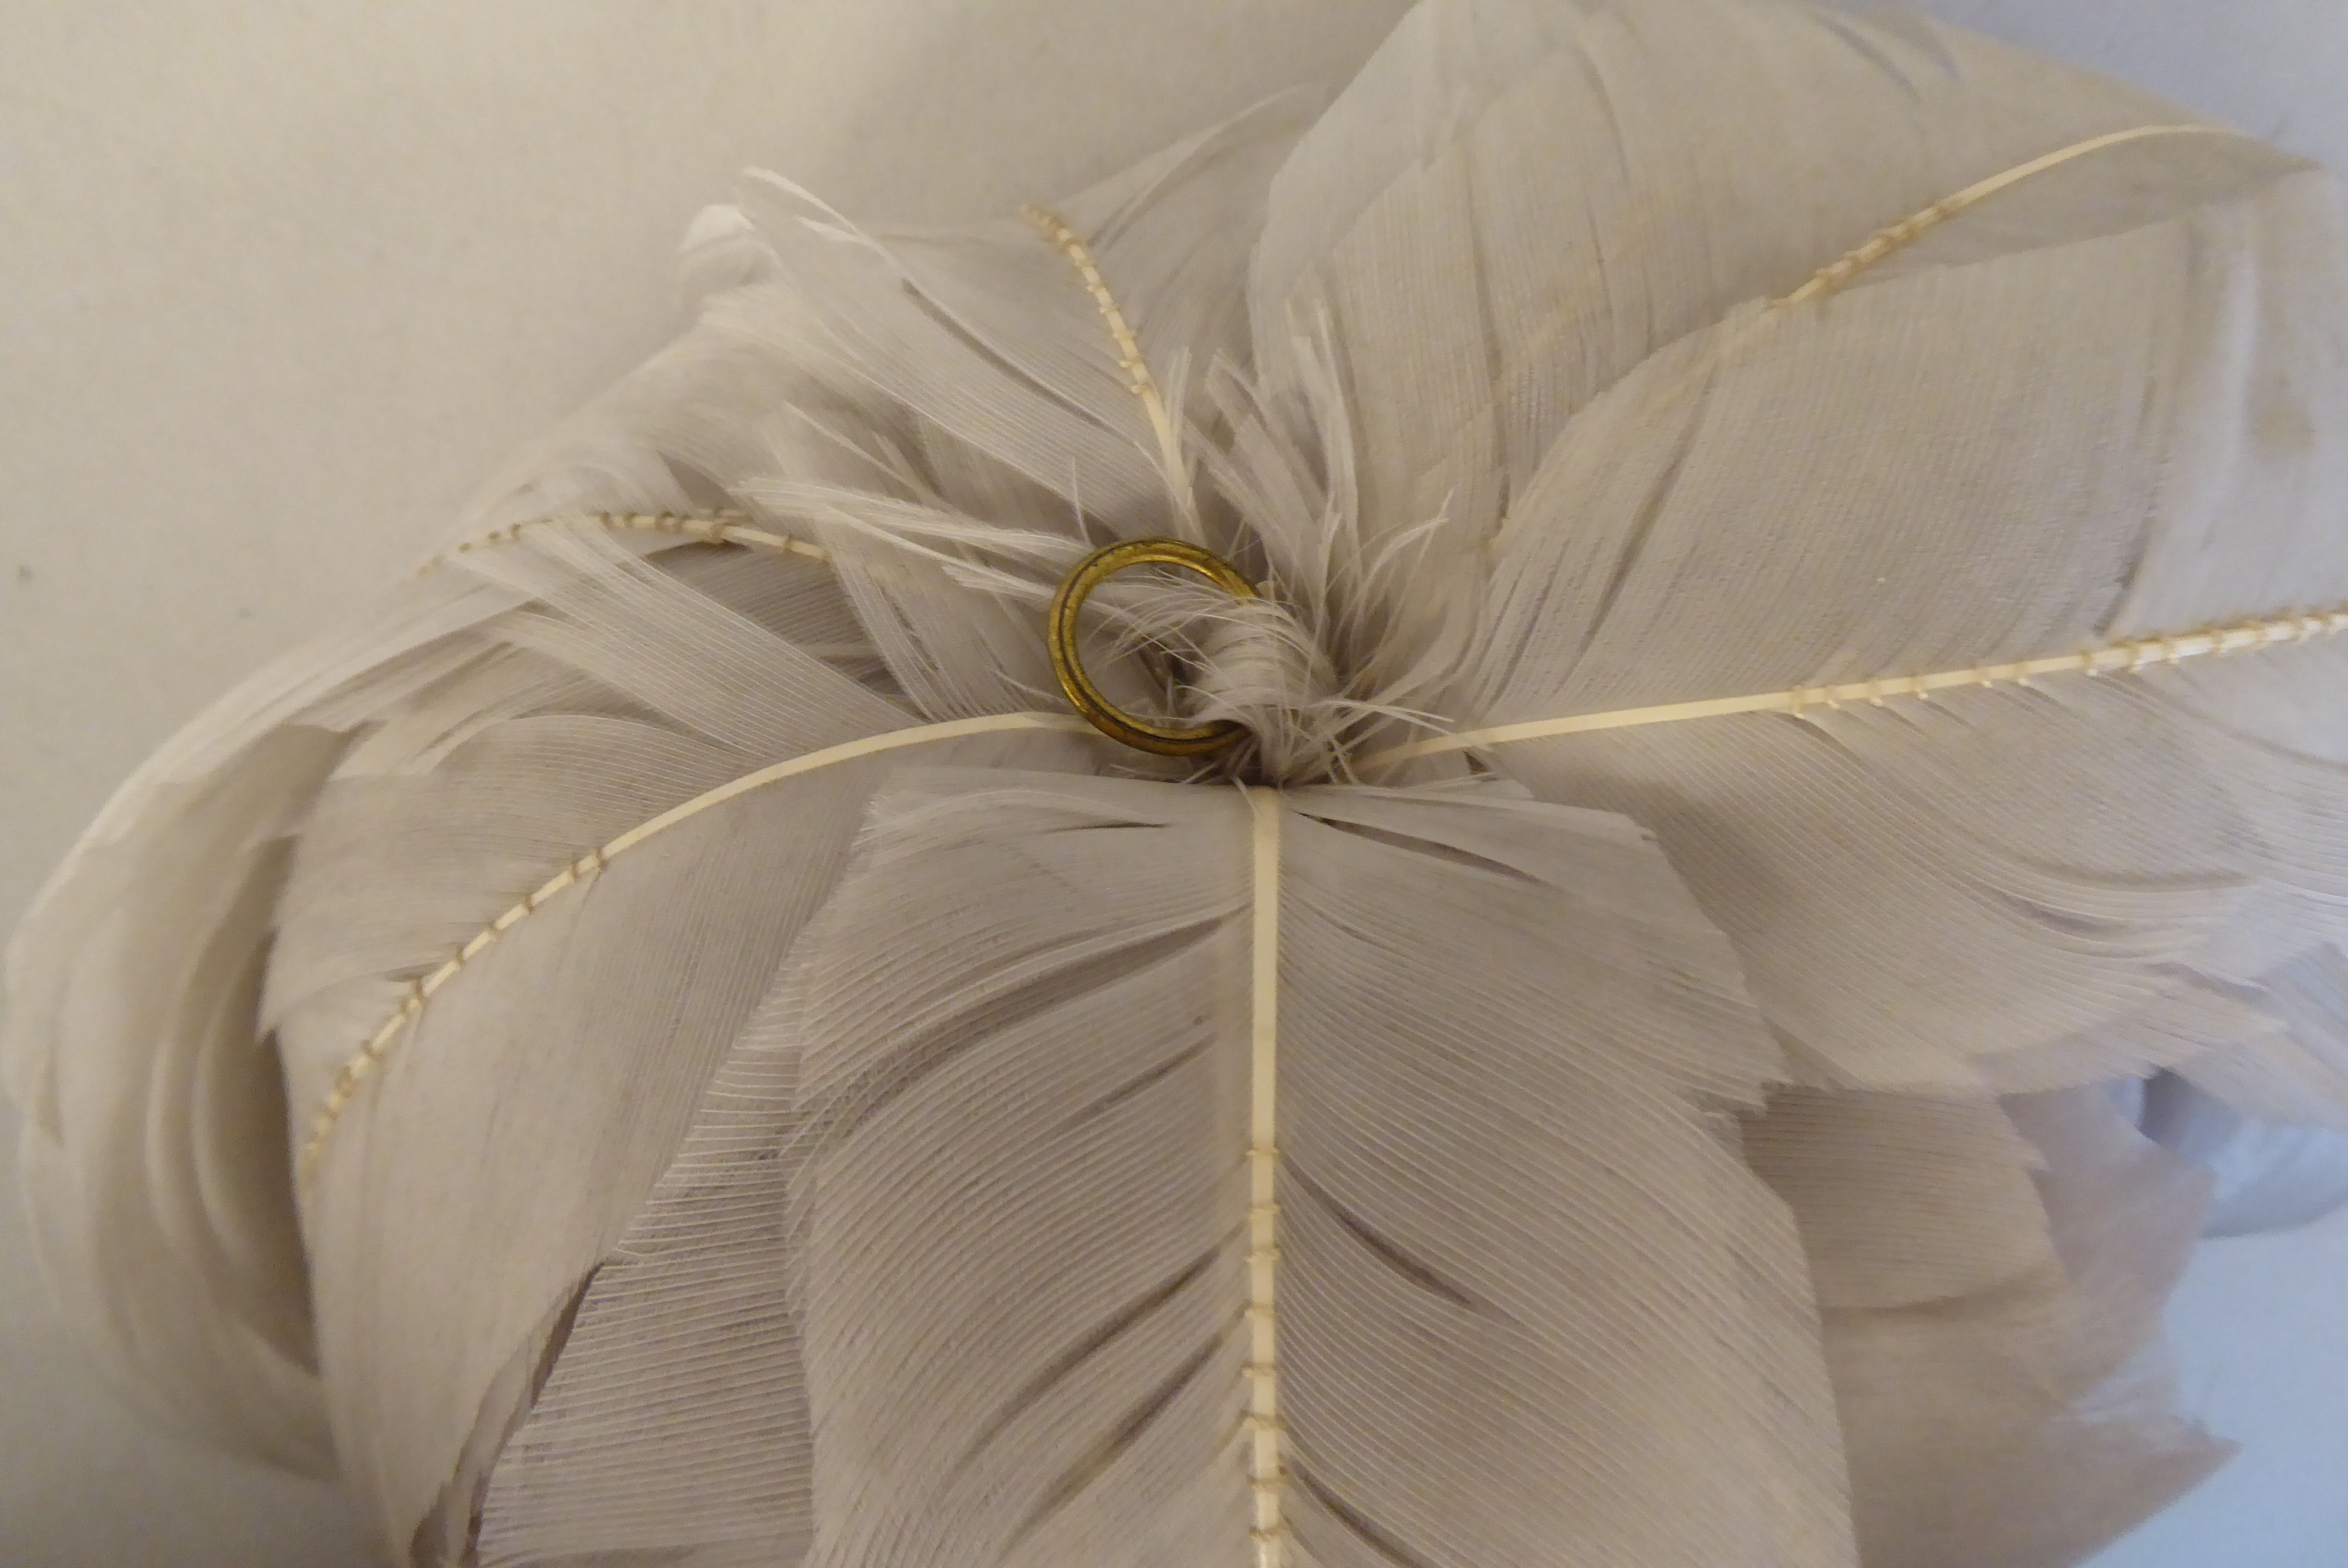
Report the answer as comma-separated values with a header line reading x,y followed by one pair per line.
x,y
132,981
658,959
1510,1200
675,1416
1509,210
2010,1259
186,1307
1843,850
2060,1431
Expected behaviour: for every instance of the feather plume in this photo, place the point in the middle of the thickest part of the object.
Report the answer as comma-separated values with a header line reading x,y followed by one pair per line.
x,y
1688,1139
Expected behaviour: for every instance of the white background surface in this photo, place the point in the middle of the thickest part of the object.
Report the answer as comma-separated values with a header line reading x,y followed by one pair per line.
x,y
281,280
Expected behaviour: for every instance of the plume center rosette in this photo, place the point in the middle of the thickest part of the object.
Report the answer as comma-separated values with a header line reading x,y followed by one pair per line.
x,y
1249,673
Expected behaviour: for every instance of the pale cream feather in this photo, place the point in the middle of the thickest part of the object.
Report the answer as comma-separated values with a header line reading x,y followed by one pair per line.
x,y
852,1172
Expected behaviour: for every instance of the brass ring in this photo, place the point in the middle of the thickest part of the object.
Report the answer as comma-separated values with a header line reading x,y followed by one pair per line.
x,y
1142,734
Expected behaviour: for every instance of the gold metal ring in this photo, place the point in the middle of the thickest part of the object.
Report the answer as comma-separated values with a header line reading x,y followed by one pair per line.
x,y
1142,734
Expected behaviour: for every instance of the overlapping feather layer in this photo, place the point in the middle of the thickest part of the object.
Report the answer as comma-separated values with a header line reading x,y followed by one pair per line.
x,y
1691,1149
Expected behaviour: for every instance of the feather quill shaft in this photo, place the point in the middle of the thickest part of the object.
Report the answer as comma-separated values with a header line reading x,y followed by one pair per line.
x,y
710,527
370,1054
1172,451
2126,657
1267,1475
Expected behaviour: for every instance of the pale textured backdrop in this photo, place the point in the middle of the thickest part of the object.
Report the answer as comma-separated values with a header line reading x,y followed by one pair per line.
x,y
281,280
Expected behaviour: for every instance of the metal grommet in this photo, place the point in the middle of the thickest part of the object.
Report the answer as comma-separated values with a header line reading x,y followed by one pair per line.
x,y
1142,734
